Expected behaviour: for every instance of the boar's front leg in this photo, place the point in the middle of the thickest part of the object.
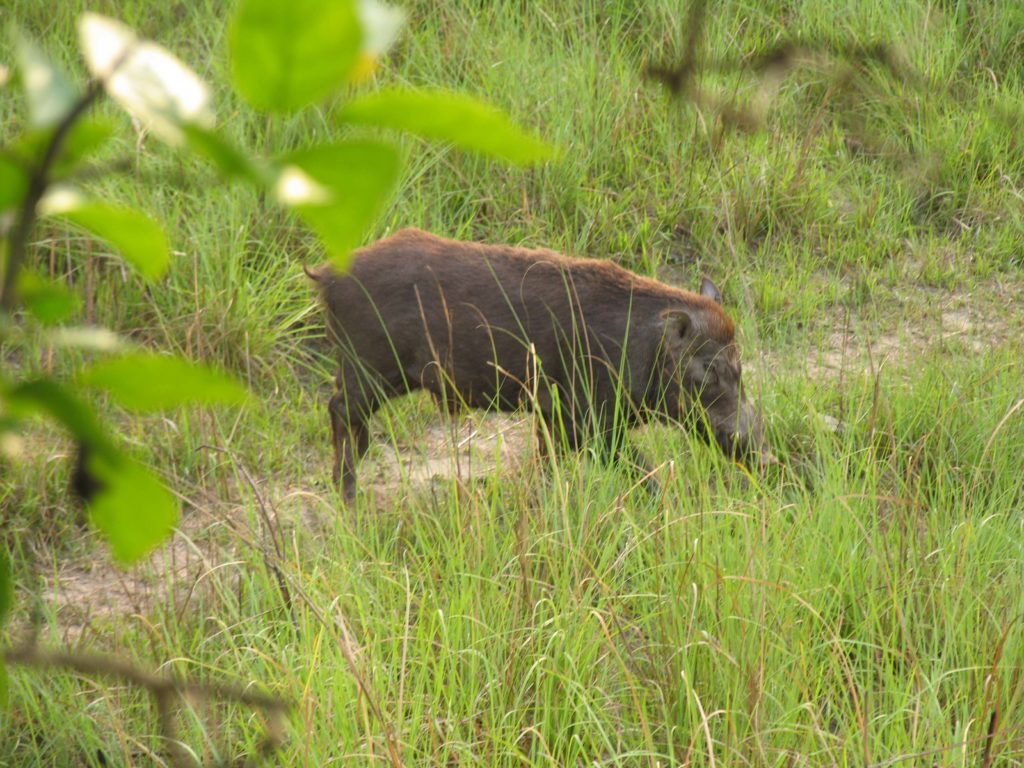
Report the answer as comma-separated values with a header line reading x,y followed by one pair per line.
x,y
551,431
610,444
614,447
447,402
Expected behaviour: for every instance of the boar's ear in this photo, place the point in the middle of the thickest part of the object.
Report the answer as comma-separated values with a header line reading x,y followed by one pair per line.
x,y
709,289
676,322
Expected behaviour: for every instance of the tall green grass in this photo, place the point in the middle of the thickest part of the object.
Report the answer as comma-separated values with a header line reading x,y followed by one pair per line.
x,y
858,606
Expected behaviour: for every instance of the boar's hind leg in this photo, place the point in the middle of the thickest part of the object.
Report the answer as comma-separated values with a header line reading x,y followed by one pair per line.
x,y
349,411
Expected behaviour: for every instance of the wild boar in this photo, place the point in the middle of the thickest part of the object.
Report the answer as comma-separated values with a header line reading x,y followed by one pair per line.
x,y
593,347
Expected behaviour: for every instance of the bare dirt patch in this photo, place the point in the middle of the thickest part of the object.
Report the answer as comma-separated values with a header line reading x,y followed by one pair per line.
x,y
913,322
459,447
91,597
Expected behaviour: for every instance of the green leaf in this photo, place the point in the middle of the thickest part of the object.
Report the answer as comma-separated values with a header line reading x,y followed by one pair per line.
x,y
4,685
49,93
47,396
381,25
147,382
356,179
139,239
285,55
147,80
445,116
48,301
133,510
6,586
230,161
13,184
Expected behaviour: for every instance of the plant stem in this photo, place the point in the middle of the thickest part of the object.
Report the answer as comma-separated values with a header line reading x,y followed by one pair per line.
x,y
37,184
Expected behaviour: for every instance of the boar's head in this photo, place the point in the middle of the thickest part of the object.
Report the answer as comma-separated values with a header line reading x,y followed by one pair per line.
x,y
706,378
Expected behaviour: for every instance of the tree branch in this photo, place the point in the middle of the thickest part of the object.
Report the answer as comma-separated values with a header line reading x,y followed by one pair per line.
x,y
168,691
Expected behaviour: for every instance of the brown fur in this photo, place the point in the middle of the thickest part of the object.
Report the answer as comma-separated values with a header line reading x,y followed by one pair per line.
x,y
484,325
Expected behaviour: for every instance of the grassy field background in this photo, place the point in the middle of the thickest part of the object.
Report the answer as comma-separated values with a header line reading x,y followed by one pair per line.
x,y
860,606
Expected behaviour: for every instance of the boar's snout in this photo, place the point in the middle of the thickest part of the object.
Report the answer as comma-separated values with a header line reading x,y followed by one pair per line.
x,y
742,437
